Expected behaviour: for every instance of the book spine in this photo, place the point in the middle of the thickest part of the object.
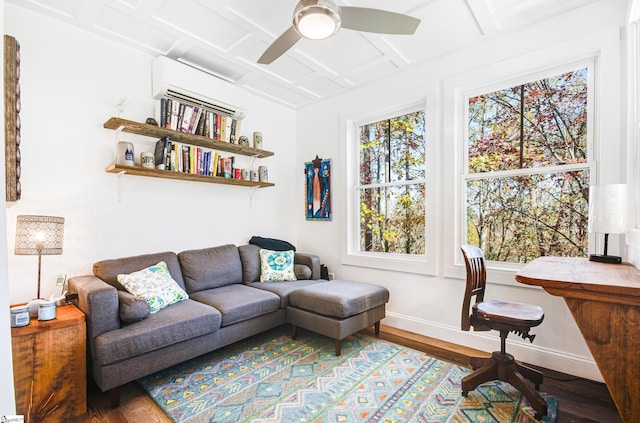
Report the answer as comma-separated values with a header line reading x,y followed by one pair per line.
x,y
223,129
218,120
160,153
232,132
175,110
163,112
216,163
186,118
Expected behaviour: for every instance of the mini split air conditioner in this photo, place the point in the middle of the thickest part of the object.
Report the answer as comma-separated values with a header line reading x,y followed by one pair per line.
x,y
189,85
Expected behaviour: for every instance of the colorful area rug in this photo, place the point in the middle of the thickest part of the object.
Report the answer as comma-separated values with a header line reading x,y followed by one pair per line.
x,y
272,378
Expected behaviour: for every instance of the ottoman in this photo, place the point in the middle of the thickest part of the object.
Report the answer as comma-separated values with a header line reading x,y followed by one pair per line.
x,y
337,308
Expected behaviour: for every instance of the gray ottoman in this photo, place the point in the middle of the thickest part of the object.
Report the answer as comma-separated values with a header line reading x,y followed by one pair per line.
x,y
337,309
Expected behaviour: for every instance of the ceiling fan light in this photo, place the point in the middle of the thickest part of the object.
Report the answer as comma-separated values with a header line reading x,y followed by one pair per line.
x,y
316,19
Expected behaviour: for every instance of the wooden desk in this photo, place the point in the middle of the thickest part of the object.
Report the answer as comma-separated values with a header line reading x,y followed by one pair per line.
x,y
605,302
49,367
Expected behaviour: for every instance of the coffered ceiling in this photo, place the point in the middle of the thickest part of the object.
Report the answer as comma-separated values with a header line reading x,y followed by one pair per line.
x,y
226,37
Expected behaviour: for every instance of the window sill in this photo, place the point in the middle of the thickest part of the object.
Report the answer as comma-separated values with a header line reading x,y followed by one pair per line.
x,y
393,262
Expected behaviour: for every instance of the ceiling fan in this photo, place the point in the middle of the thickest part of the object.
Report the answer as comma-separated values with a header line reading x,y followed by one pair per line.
x,y
320,19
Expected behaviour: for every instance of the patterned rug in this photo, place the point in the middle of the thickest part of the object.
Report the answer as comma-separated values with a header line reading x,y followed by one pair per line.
x,y
272,378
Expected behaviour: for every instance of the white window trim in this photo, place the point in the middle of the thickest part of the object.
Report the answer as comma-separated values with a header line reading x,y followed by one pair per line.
x,y
350,253
600,49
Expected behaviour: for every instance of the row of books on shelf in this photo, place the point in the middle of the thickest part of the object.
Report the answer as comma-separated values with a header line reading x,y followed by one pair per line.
x,y
184,158
198,120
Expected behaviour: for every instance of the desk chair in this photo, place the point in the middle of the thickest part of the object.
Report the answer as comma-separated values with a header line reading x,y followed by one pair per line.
x,y
504,317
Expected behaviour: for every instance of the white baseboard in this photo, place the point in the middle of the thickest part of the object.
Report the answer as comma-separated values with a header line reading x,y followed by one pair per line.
x,y
548,358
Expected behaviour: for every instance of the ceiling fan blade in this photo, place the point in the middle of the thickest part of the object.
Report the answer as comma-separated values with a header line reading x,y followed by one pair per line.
x,y
378,21
283,43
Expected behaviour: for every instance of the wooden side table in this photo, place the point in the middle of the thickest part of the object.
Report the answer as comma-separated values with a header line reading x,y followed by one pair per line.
x,y
49,367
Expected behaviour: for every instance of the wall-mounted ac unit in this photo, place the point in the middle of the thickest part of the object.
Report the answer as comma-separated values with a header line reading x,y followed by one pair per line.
x,y
189,85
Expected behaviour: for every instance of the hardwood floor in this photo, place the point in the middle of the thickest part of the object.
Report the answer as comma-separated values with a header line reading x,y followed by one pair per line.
x,y
579,400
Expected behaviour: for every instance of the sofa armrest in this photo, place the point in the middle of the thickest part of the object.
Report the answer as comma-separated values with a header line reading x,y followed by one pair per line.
x,y
99,302
311,261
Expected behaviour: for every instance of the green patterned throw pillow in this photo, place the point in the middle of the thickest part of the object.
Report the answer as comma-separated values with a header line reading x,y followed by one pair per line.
x,y
276,266
154,285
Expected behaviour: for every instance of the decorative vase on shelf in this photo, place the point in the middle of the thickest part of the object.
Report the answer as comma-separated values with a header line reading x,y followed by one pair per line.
x,y
124,154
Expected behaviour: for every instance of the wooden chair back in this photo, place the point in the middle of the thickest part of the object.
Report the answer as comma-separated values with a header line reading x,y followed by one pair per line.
x,y
476,281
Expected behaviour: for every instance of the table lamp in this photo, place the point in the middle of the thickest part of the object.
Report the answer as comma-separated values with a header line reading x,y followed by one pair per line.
x,y
607,215
39,235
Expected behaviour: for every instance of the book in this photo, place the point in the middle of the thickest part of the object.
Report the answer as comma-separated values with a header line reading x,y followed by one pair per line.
x,y
160,153
227,168
187,113
163,112
173,121
195,118
232,132
216,164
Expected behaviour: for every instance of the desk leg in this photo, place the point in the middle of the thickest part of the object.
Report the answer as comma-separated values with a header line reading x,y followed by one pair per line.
x,y
612,332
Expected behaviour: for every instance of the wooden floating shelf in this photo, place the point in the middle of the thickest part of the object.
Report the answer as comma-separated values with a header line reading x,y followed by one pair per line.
x,y
182,137
167,174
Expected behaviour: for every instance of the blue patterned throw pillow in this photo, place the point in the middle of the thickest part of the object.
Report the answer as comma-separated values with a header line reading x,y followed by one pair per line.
x,y
276,266
154,285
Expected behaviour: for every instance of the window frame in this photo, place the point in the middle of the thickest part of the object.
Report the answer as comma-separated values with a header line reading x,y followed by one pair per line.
x,y
351,254
466,176
513,72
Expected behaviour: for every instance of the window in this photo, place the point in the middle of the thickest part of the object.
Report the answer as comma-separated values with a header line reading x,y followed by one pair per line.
x,y
390,187
527,170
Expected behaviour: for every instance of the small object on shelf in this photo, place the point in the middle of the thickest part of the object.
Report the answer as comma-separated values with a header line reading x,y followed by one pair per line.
x,y
246,174
254,175
151,121
19,316
257,140
147,160
124,154
243,140
263,174
47,310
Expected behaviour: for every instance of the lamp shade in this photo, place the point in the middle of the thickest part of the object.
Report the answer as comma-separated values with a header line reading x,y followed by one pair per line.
x,y
39,235
608,208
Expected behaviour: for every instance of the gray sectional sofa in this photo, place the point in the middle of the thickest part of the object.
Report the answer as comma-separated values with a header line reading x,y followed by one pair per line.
x,y
227,303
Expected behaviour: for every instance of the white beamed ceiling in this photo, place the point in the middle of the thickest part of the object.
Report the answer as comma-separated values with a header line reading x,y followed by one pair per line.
x,y
226,37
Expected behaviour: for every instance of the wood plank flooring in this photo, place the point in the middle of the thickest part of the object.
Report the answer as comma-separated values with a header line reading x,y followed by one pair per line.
x,y
579,400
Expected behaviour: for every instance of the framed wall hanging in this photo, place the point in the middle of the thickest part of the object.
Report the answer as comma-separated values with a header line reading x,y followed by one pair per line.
x,y
318,189
12,117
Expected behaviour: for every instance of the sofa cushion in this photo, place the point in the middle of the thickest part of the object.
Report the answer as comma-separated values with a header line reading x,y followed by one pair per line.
x,y
108,270
339,298
210,267
154,285
131,309
250,259
284,289
182,321
276,266
238,302
302,271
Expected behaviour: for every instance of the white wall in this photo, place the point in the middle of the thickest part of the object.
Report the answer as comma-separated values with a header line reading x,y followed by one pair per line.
x,y
431,305
71,84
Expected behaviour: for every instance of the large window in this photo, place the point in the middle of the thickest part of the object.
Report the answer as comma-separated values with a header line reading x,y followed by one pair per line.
x,y
526,176
391,185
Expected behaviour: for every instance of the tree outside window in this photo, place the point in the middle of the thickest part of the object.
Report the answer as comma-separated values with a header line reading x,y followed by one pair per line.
x,y
527,170
391,188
